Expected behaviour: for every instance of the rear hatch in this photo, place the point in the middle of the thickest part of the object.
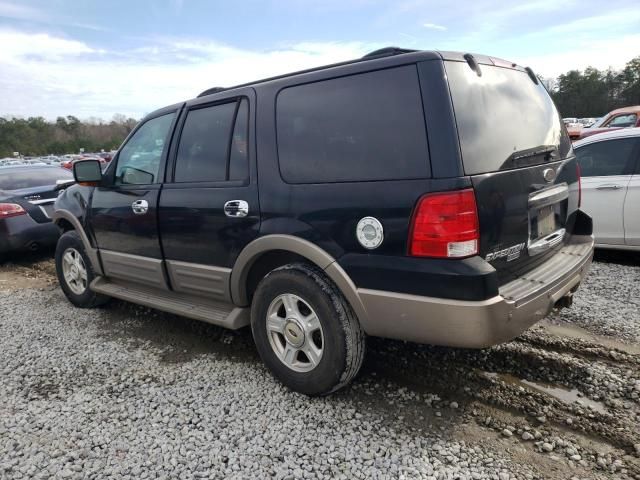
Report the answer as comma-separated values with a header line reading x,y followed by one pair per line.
x,y
519,158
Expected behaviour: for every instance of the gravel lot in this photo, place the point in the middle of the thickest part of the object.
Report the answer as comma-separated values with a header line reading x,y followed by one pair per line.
x,y
127,392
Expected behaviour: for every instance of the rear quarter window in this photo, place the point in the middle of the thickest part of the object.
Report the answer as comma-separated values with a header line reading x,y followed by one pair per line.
x,y
362,127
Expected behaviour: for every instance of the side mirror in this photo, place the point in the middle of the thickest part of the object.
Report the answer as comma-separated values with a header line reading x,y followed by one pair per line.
x,y
87,172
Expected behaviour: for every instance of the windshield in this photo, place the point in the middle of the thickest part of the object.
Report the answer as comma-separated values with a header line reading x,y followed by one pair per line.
x,y
18,179
504,119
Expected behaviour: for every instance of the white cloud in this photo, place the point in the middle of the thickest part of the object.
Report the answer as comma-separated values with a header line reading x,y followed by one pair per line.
x,y
434,26
42,74
601,54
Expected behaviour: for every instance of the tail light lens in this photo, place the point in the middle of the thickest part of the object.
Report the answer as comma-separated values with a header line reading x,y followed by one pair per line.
x,y
445,225
579,172
11,210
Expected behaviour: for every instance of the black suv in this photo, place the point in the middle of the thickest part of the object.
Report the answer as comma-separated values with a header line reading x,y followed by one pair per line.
x,y
425,196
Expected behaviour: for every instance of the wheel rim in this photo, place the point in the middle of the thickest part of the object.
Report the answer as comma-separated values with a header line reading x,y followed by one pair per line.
x,y
74,271
295,333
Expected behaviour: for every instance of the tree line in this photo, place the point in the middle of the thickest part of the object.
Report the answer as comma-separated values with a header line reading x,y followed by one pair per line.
x,y
593,92
35,136
588,93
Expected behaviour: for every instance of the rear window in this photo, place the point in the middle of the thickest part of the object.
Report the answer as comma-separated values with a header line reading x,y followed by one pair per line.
x,y
504,119
32,177
363,127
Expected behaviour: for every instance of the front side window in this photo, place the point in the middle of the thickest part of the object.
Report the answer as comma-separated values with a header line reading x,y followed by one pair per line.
x,y
362,127
214,144
139,159
606,158
623,121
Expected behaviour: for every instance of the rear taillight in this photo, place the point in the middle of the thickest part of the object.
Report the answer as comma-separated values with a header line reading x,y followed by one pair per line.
x,y
11,210
579,172
445,225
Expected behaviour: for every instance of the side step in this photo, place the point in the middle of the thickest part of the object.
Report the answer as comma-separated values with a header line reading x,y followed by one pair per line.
x,y
198,308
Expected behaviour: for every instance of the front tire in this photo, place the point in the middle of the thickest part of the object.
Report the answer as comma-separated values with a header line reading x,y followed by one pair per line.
x,y
75,273
305,331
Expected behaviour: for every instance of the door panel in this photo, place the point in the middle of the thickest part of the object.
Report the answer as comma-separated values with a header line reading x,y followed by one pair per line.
x,y
196,229
115,225
213,164
603,199
124,211
632,212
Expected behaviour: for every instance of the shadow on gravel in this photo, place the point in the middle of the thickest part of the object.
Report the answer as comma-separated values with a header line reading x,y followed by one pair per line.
x,y
27,259
175,339
617,256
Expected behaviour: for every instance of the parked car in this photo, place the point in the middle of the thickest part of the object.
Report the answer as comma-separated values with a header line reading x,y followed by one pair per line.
x,y
610,165
27,194
587,122
325,215
621,118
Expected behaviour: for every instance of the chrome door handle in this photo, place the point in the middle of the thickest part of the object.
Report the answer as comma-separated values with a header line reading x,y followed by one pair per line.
x,y
609,187
140,207
236,208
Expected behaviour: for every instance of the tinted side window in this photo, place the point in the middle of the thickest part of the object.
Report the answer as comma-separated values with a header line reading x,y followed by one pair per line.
x,y
239,155
139,159
363,127
204,143
609,157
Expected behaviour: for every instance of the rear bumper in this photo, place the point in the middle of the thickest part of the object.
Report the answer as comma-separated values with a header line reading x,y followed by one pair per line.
x,y
479,324
24,233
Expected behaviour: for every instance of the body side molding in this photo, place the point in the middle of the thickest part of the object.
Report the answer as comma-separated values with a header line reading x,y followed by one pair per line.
x,y
299,246
92,252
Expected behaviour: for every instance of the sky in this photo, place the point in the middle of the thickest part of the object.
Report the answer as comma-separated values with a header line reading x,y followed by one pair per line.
x,y
98,58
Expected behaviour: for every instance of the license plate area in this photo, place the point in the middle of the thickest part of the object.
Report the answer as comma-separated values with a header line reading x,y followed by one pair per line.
x,y
543,222
546,225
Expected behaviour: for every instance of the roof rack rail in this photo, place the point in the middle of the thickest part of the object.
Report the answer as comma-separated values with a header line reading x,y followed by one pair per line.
x,y
211,90
388,51
380,53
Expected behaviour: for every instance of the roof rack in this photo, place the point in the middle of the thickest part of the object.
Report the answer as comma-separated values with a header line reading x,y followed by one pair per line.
x,y
382,52
387,52
211,90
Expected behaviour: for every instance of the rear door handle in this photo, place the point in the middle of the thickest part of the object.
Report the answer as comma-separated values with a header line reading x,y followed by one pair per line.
x,y
140,207
236,208
610,186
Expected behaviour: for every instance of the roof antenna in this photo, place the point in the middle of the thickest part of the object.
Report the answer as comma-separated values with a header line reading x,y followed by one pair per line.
x,y
473,63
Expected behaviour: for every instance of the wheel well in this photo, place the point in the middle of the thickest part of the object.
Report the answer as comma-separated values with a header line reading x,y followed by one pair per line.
x,y
267,262
65,225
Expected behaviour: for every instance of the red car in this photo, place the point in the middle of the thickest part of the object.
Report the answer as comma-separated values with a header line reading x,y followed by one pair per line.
x,y
620,118
68,164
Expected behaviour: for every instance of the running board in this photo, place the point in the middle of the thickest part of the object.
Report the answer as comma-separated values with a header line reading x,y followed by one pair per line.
x,y
198,308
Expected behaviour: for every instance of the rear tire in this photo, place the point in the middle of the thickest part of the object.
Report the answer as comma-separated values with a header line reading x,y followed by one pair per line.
x,y
75,272
305,331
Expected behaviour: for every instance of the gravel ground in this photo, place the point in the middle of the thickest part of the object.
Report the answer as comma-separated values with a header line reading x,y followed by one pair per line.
x,y
611,287
127,392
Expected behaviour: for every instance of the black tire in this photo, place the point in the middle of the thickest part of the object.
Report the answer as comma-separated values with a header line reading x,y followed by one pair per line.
x,y
88,298
343,341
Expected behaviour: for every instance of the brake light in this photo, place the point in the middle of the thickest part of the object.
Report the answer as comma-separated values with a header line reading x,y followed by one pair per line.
x,y
11,210
579,172
445,225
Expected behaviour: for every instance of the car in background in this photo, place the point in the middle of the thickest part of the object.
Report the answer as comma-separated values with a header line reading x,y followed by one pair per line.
x,y
574,129
68,164
621,118
587,122
610,168
27,193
